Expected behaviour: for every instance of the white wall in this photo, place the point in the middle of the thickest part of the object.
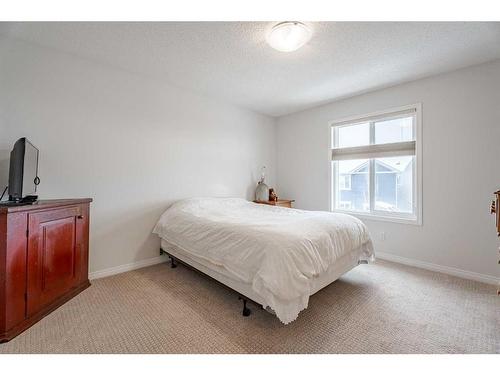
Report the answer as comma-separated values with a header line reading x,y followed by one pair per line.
x,y
4,157
4,146
135,146
132,144
461,135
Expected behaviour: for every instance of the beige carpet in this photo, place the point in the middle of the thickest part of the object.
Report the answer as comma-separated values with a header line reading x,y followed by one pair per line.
x,y
379,308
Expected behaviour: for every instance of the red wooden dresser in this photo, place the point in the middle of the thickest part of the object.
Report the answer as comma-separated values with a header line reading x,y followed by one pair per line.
x,y
43,260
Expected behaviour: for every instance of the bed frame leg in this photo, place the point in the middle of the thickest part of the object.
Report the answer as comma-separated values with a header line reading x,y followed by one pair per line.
x,y
246,311
172,262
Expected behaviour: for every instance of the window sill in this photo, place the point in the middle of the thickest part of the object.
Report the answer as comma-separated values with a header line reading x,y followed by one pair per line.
x,y
375,217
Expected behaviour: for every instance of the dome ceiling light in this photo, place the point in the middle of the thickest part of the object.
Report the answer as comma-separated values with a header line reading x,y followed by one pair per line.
x,y
289,36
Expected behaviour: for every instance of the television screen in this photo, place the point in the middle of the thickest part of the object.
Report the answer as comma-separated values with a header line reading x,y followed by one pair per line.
x,y
23,171
30,169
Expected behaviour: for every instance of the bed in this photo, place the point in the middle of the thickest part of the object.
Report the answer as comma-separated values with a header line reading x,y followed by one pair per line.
x,y
277,257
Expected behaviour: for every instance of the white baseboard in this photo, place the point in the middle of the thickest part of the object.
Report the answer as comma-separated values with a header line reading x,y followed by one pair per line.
x,y
127,267
488,279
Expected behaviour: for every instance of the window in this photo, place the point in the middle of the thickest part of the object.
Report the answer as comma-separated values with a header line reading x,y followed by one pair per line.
x,y
345,205
376,167
345,182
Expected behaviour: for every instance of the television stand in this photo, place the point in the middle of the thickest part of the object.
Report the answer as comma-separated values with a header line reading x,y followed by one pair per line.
x,y
27,200
36,277
15,204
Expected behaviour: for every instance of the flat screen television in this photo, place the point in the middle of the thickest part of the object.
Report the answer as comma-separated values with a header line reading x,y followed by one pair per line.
x,y
23,172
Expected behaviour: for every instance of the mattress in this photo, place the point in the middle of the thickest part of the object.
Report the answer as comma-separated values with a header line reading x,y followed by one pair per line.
x,y
280,252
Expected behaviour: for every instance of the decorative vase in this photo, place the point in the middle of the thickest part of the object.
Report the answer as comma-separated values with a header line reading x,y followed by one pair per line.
x,y
262,192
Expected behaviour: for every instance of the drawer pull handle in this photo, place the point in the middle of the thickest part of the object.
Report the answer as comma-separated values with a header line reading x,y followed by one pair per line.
x,y
79,217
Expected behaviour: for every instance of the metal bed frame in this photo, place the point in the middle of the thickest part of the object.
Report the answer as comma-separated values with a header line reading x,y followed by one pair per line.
x,y
246,311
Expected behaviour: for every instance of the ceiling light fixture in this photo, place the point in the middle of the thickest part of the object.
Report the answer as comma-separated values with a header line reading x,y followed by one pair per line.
x,y
289,36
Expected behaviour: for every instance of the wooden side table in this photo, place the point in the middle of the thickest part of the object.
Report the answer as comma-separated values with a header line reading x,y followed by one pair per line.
x,y
280,202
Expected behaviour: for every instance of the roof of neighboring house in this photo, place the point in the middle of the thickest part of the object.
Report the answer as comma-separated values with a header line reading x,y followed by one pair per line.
x,y
393,165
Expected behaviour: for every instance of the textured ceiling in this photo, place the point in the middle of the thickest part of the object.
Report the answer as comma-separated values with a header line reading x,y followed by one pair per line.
x,y
231,60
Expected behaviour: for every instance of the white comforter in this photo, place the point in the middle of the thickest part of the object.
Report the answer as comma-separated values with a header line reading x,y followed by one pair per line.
x,y
278,250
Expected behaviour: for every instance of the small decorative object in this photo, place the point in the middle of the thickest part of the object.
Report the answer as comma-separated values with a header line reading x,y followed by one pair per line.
x,y
272,195
262,191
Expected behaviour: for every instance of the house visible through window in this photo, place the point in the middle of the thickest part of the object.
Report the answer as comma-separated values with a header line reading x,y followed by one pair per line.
x,y
346,205
374,165
345,181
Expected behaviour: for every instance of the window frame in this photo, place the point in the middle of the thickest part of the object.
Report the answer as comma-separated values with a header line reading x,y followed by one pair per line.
x,y
378,215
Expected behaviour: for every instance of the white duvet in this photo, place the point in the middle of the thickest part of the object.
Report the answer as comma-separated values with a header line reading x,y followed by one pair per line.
x,y
277,250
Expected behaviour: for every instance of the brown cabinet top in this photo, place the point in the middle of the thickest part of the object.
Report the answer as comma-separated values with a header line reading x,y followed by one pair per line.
x,y
42,204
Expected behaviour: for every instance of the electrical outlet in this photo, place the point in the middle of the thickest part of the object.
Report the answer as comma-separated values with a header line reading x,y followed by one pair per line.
x,y
382,236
